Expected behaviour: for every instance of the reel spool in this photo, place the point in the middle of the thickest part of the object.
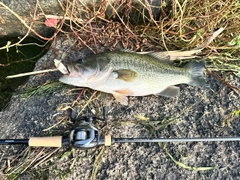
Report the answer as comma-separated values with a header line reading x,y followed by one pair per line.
x,y
86,136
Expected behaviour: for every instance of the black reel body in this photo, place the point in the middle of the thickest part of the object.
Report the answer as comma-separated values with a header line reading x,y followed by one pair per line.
x,y
86,136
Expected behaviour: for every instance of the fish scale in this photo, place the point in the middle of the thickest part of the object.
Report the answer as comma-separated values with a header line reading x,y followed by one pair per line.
x,y
144,66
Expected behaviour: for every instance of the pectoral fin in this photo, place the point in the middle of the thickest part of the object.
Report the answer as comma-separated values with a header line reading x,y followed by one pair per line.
x,y
121,95
126,74
170,91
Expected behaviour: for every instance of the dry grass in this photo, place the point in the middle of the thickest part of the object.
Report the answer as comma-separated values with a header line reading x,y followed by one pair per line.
x,y
172,25
184,25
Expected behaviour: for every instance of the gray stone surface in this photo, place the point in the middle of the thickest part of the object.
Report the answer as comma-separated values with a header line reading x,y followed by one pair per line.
x,y
200,114
12,26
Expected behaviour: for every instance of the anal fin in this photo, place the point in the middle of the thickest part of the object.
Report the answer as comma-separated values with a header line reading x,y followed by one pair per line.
x,y
170,91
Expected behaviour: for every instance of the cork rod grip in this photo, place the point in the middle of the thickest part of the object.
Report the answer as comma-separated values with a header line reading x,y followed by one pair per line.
x,y
55,141
108,140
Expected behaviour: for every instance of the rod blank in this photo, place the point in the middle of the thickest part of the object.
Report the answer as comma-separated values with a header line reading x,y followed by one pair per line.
x,y
13,141
134,140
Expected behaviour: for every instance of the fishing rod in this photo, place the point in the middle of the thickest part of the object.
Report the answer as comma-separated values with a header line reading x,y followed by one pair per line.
x,y
87,136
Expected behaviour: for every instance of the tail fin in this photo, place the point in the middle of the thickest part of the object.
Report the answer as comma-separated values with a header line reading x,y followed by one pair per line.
x,y
196,68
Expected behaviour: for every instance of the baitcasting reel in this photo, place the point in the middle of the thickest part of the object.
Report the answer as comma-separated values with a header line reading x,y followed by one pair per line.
x,y
86,136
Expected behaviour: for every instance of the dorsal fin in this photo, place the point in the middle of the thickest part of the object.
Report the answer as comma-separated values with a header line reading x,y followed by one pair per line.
x,y
161,55
166,56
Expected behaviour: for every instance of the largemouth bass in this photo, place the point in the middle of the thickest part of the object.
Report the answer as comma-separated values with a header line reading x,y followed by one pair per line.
x,y
132,74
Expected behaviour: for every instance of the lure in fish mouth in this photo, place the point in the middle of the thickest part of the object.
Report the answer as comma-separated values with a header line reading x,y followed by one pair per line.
x,y
132,74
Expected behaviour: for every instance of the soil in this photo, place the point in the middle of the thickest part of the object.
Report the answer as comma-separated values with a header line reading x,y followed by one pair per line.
x,y
200,113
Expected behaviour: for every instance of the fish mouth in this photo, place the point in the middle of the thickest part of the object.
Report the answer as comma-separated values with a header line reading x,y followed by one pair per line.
x,y
68,70
75,70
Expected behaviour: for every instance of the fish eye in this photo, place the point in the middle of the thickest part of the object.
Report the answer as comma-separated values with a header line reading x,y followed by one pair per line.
x,y
80,61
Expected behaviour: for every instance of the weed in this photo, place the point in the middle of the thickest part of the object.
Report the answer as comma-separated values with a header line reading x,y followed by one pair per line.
x,y
41,90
